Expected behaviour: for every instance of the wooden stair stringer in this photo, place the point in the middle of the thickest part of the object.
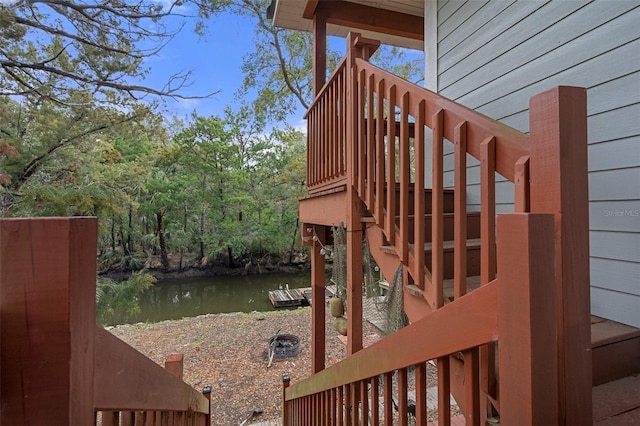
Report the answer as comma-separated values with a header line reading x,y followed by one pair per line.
x,y
416,306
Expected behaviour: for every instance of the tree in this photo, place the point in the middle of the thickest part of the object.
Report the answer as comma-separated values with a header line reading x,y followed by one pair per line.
x,y
52,48
280,68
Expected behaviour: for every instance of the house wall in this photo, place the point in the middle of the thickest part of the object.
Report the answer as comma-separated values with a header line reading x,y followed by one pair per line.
x,y
493,56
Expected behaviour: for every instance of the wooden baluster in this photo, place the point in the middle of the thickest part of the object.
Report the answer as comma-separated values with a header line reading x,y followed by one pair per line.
x,y
311,129
371,143
361,151
127,419
403,401
488,261
472,387
375,401
405,177
333,152
390,227
332,406
110,418
343,123
380,160
437,212
419,199
460,212
444,392
388,395
342,404
322,156
521,181
364,402
348,405
140,418
421,394
150,418
355,402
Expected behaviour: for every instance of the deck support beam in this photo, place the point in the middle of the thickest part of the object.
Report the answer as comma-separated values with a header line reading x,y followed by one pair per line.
x,y
318,284
319,49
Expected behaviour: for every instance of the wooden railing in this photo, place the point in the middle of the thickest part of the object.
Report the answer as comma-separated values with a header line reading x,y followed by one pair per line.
x,y
326,155
388,122
58,367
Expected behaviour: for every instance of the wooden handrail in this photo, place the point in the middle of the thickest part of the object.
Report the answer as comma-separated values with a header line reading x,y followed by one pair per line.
x,y
126,380
471,322
510,143
326,86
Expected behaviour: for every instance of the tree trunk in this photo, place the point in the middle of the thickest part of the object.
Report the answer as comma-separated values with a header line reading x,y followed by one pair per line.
x,y
230,253
293,241
130,230
113,234
164,258
201,234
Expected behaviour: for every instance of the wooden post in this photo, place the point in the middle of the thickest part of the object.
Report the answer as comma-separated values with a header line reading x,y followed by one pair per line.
x,y
559,185
286,381
206,391
318,281
319,48
47,304
526,320
174,364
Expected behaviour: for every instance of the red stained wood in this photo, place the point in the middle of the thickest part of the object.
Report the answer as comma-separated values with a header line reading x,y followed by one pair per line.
x,y
522,186
527,326
437,211
390,225
444,391
388,395
319,49
47,302
472,387
364,402
127,380
473,317
375,401
174,364
371,143
403,403
419,201
379,163
421,394
404,172
318,281
460,211
362,134
559,185
510,143
369,18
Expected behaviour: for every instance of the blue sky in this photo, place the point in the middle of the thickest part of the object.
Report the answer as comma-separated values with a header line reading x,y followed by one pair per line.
x,y
214,59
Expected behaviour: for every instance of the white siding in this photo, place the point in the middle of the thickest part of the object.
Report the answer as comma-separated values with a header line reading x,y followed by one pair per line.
x,y
493,56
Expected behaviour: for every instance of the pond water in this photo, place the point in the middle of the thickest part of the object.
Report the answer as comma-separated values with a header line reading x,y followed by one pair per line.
x,y
188,297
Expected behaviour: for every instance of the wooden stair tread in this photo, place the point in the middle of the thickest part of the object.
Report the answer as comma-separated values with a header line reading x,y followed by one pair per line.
x,y
605,332
615,398
472,243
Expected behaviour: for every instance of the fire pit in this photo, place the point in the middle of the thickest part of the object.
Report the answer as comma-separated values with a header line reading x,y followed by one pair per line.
x,y
283,346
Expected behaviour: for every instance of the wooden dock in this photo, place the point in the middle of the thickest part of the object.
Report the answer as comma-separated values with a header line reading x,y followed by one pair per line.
x,y
296,296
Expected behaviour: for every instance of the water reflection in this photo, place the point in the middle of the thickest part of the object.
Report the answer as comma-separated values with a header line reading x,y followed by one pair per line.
x,y
188,297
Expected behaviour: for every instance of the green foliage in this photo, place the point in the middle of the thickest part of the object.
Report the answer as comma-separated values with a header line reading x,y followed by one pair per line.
x,y
121,297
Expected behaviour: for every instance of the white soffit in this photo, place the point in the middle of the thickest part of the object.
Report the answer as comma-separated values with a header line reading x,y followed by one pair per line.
x,y
288,14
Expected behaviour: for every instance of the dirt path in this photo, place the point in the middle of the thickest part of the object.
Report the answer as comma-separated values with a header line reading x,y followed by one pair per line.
x,y
226,351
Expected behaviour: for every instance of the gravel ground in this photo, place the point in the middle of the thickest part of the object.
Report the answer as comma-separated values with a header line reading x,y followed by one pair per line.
x,y
226,351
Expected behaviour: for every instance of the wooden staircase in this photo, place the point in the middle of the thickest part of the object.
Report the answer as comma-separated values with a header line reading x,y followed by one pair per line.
x,y
471,279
